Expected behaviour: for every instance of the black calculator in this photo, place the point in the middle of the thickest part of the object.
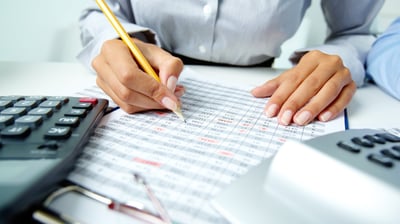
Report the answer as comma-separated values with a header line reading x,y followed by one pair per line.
x,y
40,138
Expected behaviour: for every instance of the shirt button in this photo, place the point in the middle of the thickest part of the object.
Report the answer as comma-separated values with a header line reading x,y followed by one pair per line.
x,y
202,49
207,10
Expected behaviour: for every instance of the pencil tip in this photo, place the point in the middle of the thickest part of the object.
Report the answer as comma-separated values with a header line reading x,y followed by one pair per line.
x,y
178,112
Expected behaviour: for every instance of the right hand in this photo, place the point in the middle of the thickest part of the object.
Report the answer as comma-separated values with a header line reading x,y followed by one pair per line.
x,y
120,77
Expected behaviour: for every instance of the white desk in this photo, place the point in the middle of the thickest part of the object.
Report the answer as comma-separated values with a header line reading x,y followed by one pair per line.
x,y
370,107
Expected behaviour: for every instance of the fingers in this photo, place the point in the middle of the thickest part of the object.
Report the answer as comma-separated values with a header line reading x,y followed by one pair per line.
x,y
128,100
267,89
319,85
141,105
328,103
337,106
167,66
131,88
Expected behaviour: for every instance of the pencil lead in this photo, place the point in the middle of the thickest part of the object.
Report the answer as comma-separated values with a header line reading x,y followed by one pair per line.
x,y
178,113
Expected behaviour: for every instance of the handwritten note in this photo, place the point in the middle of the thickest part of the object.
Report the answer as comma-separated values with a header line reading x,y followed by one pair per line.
x,y
186,164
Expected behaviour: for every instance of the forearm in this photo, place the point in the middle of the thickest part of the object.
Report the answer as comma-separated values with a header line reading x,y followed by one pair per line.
x,y
383,62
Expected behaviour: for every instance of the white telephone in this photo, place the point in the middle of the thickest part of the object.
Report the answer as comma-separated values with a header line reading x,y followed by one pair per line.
x,y
350,176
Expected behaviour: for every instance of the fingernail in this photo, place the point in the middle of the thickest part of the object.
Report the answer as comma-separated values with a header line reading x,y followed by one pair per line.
x,y
325,116
303,118
179,93
169,103
286,117
271,110
171,83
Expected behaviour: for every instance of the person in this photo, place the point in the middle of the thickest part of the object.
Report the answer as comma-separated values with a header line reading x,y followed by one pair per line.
x,y
383,60
249,33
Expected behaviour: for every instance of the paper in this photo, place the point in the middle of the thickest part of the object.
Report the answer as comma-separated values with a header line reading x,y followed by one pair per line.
x,y
187,164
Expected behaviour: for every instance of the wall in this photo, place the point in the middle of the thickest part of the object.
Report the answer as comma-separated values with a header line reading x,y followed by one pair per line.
x,y
47,30
40,30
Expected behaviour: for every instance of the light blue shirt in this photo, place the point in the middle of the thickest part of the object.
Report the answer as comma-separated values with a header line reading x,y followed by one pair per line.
x,y
383,61
234,32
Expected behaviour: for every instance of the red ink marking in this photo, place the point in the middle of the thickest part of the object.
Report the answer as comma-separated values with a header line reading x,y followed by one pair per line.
x,y
160,129
225,153
147,162
208,140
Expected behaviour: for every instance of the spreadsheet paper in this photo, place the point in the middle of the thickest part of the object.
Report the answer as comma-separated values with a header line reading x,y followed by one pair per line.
x,y
186,164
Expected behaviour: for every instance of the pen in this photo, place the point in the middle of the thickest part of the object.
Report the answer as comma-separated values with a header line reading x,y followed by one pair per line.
x,y
136,213
139,57
157,204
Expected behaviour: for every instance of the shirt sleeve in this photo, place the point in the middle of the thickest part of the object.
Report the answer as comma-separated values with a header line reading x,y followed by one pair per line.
x,y
349,34
383,61
95,29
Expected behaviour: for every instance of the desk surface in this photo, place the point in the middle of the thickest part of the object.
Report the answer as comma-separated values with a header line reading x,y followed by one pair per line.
x,y
370,107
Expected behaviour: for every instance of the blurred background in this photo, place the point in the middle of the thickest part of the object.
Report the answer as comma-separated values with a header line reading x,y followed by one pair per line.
x,y
47,30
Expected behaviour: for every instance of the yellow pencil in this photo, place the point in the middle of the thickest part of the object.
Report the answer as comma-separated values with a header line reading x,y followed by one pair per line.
x,y
139,57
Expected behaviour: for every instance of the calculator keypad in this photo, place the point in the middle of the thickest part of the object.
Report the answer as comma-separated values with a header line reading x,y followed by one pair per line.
x,y
384,148
40,140
370,152
31,124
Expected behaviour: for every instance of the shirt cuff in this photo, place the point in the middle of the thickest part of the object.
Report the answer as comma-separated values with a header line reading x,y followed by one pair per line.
x,y
93,47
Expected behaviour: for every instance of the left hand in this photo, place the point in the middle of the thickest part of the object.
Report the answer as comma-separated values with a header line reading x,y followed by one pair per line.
x,y
318,86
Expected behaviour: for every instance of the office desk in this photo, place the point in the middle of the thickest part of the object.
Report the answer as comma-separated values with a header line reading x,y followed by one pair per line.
x,y
370,107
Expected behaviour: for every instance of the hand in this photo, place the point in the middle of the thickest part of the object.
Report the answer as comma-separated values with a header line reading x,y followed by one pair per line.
x,y
132,89
318,86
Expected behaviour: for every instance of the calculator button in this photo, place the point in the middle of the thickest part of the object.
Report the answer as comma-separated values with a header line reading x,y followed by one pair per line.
x,y
389,137
38,99
49,145
375,139
43,112
91,100
381,160
14,111
68,121
348,147
13,99
82,105
58,133
16,131
5,104
391,153
55,104
76,113
62,99
28,104
6,120
362,142
29,120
